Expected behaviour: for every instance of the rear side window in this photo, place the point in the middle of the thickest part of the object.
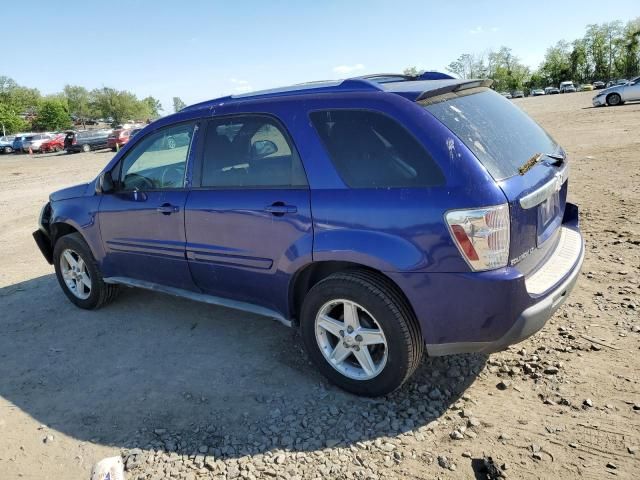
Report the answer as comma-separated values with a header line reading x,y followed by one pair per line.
x,y
250,151
371,150
500,135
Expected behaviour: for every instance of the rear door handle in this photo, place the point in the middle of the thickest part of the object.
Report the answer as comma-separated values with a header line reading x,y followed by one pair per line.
x,y
279,209
167,209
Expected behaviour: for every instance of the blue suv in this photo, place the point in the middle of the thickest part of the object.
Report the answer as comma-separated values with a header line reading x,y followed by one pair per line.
x,y
385,216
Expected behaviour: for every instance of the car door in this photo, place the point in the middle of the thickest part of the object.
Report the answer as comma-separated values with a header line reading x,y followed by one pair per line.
x,y
249,220
632,90
142,220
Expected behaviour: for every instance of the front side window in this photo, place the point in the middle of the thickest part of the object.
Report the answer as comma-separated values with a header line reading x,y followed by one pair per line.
x,y
250,151
158,161
371,150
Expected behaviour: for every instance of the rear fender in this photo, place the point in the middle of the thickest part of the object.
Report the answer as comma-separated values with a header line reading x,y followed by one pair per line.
x,y
377,250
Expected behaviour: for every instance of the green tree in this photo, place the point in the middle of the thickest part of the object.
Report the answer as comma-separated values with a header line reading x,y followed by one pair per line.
x,y
178,104
10,120
154,106
556,66
52,114
80,102
412,71
121,106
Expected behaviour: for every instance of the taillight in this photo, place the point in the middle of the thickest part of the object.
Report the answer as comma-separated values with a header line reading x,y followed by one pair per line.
x,y
482,235
73,142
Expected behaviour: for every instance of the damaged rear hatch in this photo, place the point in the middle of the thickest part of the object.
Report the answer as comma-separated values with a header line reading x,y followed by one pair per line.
x,y
525,161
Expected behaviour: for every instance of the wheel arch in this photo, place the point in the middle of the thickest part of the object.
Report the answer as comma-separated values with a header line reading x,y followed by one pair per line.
x,y
310,274
614,93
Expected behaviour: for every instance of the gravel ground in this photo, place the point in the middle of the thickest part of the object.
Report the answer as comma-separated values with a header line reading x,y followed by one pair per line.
x,y
184,390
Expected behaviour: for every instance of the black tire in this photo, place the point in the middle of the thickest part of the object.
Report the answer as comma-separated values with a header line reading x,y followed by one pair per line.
x,y
614,99
86,148
101,292
381,298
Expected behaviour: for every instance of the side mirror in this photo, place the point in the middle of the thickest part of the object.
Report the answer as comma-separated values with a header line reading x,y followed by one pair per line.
x,y
105,183
263,148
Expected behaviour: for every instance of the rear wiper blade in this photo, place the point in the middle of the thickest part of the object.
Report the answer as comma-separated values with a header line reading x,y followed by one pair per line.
x,y
528,165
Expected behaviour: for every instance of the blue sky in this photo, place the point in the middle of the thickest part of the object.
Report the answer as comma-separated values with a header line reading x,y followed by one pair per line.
x,y
200,50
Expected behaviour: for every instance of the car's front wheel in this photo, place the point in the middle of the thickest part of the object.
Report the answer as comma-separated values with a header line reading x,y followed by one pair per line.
x,y
614,99
78,273
8,149
361,333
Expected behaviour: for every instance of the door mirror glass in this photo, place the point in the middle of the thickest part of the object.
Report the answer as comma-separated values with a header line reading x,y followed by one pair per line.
x,y
263,148
105,183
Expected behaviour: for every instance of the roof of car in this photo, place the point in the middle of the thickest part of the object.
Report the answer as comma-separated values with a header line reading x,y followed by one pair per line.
x,y
413,88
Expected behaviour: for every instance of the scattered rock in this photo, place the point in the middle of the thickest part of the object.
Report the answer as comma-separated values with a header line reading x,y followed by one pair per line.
x,y
612,466
503,384
587,403
456,435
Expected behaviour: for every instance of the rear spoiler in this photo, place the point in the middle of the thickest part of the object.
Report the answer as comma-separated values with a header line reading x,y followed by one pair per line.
x,y
455,87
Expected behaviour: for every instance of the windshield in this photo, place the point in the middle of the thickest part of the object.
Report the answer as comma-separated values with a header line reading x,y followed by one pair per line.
x,y
499,134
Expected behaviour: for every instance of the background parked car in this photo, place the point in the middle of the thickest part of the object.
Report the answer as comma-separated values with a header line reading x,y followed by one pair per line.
x,y
585,87
35,141
536,92
56,144
118,138
567,87
618,94
598,85
134,132
505,94
17,141
87,140
517,94
551,91
6,144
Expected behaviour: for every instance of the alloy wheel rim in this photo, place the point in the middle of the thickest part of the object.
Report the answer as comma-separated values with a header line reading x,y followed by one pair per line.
x,y
351,340
75,274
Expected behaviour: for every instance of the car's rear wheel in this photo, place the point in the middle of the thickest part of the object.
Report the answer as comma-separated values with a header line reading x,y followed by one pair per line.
x,y
78,273
86,148
8,149
360,333
614,99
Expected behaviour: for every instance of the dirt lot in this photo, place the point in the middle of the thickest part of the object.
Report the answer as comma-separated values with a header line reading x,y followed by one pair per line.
x,y
185,390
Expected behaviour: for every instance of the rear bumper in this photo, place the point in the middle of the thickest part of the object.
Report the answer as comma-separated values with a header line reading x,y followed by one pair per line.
x,y
488,311
528,322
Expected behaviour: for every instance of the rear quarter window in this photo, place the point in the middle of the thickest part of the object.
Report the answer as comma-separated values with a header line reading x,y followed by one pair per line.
x,y
499,134
371,150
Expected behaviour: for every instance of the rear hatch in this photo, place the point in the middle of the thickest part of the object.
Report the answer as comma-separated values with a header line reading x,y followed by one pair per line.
x,y
525,161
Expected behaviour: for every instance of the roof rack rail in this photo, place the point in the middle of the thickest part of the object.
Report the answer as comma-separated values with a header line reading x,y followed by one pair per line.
x,y
401,77
348,85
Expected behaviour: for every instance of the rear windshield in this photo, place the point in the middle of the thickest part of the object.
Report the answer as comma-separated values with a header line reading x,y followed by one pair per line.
x,y
501,135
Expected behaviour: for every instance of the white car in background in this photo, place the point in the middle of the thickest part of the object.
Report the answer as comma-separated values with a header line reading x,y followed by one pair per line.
x,y
34,141
567,87
618,94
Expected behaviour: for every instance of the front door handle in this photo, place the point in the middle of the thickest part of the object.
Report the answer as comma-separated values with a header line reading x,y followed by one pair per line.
x,y
280,208
167,209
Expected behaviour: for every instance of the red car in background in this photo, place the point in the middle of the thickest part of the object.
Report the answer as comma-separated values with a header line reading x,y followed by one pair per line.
x,y
56,144
118,138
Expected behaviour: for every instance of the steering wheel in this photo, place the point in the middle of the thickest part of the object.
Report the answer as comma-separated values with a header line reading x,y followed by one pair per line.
x,y
179,172
138,182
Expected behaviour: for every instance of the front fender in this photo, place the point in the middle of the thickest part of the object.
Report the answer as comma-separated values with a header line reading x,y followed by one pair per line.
x,y
80,213
373,249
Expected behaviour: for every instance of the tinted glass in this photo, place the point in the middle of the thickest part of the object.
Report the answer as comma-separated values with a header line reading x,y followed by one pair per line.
x,y
158,161
371,150
249,151
501,135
